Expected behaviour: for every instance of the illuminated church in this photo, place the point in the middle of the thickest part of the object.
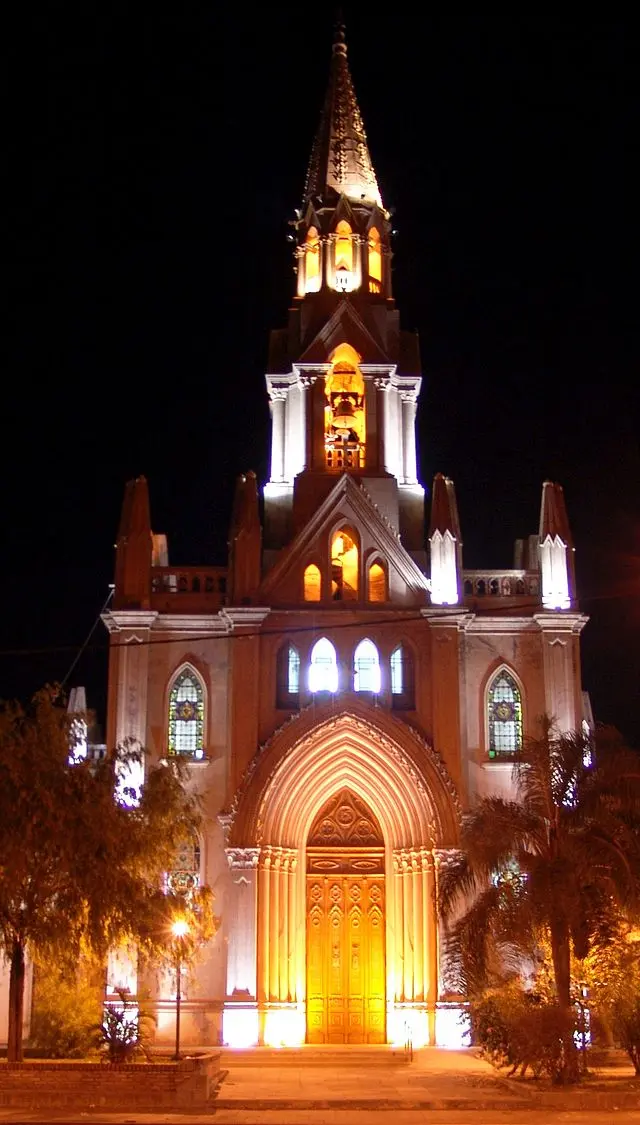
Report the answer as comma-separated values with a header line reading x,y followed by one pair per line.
x,y
343,687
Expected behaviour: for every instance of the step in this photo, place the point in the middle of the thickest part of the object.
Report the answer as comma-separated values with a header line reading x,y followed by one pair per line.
x,y
326,1054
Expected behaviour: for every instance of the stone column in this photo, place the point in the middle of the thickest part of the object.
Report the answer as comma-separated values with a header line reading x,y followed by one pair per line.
x,y
409,406
241,922
382,391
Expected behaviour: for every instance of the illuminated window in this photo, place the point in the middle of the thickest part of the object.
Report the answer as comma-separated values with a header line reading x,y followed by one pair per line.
x,y
402,679
366,668
312,583
377,583
344,246
504,706
184,877
344,566
375,261
288,676
323,670
186,715
344,416
312,261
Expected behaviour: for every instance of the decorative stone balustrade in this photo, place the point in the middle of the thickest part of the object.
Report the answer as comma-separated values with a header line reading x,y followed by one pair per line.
x,y
172,586
501,583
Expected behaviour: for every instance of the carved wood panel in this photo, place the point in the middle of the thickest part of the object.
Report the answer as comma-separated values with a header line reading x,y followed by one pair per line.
x,y
345,959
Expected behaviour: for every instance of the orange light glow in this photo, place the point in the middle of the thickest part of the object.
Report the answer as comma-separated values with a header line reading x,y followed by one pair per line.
x,y
312,583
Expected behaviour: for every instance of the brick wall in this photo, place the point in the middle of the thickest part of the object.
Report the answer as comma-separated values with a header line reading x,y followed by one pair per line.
x,y
156,1085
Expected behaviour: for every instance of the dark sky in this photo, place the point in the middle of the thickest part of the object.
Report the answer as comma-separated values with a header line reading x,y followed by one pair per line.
x,y
157,154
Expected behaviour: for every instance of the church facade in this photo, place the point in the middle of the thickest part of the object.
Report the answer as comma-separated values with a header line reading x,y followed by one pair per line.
x,y
343,688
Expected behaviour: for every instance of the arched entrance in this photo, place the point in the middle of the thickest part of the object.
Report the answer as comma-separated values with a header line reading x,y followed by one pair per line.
x,y
345,906
280,985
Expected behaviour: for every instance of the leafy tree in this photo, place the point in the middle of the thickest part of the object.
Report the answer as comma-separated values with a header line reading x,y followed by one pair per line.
x,y
611,971
79,869
555,860
67,1004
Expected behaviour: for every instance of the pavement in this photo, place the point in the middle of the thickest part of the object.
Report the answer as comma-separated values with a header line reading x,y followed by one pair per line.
x,y
331,1087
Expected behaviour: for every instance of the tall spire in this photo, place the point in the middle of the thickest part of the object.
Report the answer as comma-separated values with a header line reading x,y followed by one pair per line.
x,y
340,158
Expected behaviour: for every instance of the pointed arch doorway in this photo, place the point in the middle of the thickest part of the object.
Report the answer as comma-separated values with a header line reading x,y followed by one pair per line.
x,y
345,923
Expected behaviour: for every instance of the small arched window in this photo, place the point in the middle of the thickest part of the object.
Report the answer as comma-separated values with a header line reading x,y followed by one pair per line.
x,y
287,677
312,261
375,261
186,715
344,566
402,679
504,715
366,668
376,583
323,669
344,246
312,583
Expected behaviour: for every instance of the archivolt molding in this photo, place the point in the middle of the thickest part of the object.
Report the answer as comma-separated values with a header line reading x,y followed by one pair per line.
x,y
385,762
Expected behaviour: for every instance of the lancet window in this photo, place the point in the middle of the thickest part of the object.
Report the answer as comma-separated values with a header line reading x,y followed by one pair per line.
x,y
344,416
312,583
375,261
186,715
323,669
344,566
344,256
504,715
366,668
288,676
402,679
312,261
376,583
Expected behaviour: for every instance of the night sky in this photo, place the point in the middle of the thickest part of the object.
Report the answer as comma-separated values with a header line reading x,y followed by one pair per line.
x,y
157,155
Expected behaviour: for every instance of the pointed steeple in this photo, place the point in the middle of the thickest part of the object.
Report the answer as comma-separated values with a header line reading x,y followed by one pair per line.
x,y
340,158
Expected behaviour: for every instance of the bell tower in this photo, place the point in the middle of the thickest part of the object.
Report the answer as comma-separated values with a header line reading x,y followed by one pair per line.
x,y
343,378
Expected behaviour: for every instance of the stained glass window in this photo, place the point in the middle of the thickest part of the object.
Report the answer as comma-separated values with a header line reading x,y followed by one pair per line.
x,y
366,668
505,715
323,670
287,677
184,878
186,716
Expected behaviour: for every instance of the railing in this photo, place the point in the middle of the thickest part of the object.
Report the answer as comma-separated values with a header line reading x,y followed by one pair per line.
x,y
501,583
172,584
343,454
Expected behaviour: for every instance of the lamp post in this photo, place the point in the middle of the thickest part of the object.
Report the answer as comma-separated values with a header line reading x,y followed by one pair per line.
x,y
179,929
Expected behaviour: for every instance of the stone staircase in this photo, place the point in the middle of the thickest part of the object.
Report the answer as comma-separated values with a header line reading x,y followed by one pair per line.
x,y
328,1054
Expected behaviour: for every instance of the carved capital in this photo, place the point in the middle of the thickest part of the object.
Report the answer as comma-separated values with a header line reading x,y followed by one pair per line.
x,y
242,858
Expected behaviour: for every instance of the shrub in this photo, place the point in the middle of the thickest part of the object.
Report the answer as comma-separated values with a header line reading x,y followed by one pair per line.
x,y
125,1031
64,1010
515,1029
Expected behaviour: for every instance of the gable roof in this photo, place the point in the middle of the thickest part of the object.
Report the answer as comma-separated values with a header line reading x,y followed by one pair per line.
x,y
350,500
345,325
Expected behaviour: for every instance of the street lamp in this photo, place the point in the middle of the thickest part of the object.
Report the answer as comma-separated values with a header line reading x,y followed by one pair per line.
x,y
179,929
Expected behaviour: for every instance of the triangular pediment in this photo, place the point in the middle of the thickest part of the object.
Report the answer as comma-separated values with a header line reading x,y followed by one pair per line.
x,y
344,326
348,504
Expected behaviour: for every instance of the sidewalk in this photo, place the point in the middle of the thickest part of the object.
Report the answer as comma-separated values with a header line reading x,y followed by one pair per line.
x,y
313,1087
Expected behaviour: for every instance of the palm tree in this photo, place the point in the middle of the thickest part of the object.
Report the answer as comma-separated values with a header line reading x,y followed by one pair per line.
x,y
554,860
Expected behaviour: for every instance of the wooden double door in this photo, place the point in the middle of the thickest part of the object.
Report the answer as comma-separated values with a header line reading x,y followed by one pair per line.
x,y
345,952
